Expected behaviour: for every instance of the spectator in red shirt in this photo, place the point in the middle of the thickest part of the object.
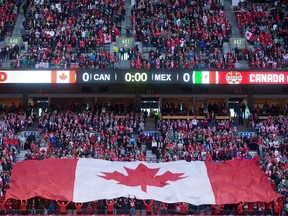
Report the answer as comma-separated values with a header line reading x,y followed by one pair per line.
x,y
240,209
250,206
183,208
62,206
217,209
2,205
148,205
110,206
164,208
277,208
155,209
23,206
78,207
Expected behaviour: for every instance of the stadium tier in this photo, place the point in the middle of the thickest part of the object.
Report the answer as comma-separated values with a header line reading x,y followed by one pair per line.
x,y
143,107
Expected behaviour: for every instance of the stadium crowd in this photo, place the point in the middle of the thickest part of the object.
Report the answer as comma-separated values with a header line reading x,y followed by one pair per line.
x,y
177,34
173,33
9,11
66,35
264,24
181,34
61,32
108,133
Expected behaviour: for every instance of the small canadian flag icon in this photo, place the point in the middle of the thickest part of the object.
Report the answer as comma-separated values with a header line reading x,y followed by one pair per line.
x,y
249,35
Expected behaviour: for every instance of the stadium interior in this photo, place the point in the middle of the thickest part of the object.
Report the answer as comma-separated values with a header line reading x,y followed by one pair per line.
x,y
144,80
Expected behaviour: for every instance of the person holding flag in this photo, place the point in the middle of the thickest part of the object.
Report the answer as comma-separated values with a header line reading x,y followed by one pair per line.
x,y
23,206
217,209
62,206
110,206
148,205
78,207
183,208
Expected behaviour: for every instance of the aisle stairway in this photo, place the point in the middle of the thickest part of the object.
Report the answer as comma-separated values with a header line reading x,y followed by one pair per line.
x,y
127,21
232,19
229,11
150,158
18,28
26,132
150,128
21,156
126,24
149,124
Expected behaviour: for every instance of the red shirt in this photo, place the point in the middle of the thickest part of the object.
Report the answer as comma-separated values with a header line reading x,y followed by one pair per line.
x,y
2,205
23,206
62,207
78,207
110,206
183,207
277,208
240,209
217,208
250,207
148,205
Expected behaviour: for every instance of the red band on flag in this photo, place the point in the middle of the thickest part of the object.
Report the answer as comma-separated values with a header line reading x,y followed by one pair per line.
x,y
234,181
48,179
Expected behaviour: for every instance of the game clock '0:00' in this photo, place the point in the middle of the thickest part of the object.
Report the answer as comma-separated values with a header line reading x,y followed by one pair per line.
x,y
136,77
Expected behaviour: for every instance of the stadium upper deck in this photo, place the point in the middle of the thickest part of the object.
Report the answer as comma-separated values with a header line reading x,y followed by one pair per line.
x,y
168,34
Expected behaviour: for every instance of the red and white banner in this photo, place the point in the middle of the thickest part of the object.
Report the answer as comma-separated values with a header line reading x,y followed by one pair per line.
x,y
38,76
249,35
107,38
86,180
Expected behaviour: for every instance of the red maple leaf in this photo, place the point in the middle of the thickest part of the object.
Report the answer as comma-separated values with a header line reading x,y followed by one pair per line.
x,y
142,176
63,76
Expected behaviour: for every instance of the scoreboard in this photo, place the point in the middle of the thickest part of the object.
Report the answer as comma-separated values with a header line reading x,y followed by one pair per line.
x,y
157,76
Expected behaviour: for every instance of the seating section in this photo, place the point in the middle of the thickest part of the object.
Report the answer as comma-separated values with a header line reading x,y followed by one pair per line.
x,y
9,10
173,34
264,24
180,34
63,34
116,134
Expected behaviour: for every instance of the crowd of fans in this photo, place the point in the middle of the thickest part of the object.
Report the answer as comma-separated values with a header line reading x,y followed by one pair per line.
x,y
61,32
265,24
9,10
181,34
115,133
173,33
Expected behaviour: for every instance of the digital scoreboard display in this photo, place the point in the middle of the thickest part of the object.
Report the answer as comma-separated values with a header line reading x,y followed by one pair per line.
x,y
134,77
169,76
183,77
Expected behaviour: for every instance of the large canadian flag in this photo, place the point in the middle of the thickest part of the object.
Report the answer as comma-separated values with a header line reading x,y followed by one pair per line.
x,y
249,35
86,180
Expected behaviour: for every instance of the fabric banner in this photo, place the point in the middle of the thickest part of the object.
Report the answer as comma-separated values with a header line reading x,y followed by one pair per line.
x,y
249,35
107,38
87,180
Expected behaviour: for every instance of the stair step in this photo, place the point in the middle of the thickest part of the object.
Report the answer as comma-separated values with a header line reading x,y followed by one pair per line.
x,y
253,153
150,157
149,124
21,156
